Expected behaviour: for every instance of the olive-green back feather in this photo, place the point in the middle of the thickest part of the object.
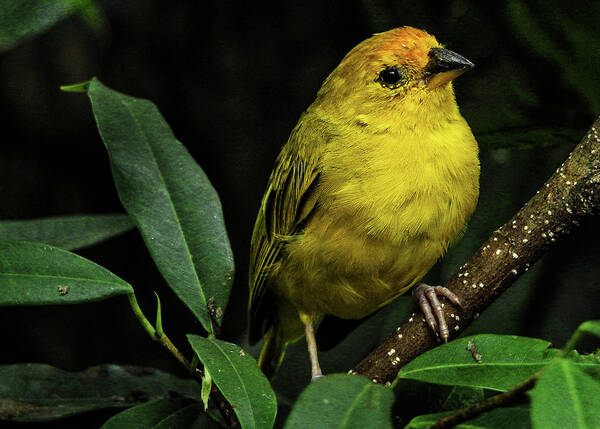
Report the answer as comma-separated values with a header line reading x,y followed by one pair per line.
x,y
286,207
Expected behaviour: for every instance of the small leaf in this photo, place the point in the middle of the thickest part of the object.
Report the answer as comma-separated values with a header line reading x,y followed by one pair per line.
x,y
76,87
159,326
206,388
40,392
40,274
565,397
67,232
24,19
170,199
499,418
506,360
239,379
342,401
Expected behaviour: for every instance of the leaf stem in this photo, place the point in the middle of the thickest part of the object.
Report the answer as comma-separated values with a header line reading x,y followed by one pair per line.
x,y
135,307
572,343
157,335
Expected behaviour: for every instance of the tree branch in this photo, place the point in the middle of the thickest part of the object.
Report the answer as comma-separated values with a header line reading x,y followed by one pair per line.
x,y
571,194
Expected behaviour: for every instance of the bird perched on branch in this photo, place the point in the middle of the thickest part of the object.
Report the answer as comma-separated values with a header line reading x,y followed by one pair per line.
x,y
377,179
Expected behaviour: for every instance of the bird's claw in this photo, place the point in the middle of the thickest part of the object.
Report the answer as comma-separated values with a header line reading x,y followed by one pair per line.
x,y
426,297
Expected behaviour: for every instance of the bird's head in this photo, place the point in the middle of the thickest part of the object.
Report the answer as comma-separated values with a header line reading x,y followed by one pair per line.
x,y
402,70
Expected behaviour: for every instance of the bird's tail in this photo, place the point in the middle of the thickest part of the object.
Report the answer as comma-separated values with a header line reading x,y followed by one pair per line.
x,y
272,352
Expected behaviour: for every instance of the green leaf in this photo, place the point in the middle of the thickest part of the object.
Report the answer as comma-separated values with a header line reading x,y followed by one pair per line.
x,y
239,379
40,274
565,397
342,401
499,418
170,199
589,362
161,414
159,326
67,232
24,19
506,361
40,392
76,87
206,388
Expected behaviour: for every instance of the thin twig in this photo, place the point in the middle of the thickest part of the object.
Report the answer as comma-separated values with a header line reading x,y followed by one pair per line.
x,y
486,405
224,407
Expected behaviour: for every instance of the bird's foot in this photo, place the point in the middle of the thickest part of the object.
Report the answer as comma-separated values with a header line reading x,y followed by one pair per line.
x,y
426,297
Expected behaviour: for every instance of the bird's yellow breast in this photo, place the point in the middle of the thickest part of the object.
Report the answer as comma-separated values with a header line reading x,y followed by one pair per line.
x,y
389,204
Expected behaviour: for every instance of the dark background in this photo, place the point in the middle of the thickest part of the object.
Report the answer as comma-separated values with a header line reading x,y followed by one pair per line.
x,y
231,78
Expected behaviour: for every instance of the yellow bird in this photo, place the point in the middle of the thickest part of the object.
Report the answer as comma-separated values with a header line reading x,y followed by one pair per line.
x,y
376,180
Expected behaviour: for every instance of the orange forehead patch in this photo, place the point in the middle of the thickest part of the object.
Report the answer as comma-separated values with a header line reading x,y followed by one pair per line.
x,y
406,44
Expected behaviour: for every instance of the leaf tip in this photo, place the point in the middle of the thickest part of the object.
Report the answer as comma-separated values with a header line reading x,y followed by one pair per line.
x,y
76,87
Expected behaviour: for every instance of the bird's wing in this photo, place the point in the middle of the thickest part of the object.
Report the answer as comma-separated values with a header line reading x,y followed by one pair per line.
x,y
286,207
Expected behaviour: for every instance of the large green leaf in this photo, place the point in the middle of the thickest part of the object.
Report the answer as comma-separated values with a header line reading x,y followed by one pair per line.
x,y
505,361
499,418
162,414
342,401
170,198
238,377
22,19
67,232
565,397
40,392
40,274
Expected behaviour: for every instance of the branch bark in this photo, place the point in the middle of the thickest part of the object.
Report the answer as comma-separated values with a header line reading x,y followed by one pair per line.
x,y
571,194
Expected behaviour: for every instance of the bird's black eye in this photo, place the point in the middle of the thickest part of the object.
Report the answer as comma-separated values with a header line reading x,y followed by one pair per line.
x,y
390,77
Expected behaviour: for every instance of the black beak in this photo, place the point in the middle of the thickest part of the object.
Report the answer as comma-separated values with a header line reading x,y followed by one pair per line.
x,y
442,60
